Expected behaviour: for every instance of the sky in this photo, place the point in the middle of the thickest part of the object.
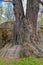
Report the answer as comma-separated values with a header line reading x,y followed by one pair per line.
x,y
0,3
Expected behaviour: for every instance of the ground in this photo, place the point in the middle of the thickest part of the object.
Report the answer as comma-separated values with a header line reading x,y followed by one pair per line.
x,y
22,61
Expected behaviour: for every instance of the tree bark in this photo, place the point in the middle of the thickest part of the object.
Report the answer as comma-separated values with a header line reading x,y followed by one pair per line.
x,y
13,50
31,36
26,41
32,11
18,26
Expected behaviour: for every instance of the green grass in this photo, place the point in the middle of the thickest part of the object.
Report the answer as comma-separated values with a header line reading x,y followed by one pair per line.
x,y
22,61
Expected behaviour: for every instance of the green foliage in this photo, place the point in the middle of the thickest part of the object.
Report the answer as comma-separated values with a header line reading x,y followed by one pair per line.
x,y
22,61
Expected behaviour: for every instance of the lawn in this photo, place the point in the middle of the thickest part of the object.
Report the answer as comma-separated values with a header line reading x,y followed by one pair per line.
x,y
22,61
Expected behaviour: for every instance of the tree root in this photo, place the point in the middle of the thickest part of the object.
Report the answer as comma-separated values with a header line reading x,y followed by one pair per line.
x,y
16,51
10,51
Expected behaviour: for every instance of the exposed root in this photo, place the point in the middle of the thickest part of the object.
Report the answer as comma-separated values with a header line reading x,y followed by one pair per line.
x,y
3,50
11,51
36,43
30,47
30,50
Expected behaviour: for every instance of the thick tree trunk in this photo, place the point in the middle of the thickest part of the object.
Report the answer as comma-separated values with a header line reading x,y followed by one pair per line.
x,y
18,26
32,11
31,36
26,41
15,48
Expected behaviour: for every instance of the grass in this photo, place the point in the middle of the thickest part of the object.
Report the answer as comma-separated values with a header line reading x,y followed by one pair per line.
x,y
22,61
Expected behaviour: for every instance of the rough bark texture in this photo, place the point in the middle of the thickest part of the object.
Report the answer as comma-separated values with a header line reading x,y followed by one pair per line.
x,y
18,26
31,36
26,41
32,11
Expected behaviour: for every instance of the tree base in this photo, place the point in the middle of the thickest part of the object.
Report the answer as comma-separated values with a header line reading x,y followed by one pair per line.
x,y
16,51
10,51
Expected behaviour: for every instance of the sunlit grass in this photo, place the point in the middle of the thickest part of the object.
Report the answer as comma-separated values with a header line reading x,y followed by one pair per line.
x,y
22,61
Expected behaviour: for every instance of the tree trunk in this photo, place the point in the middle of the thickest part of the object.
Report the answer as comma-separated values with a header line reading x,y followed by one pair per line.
x,y
18,26
31,36
32,11
26,41
15,48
